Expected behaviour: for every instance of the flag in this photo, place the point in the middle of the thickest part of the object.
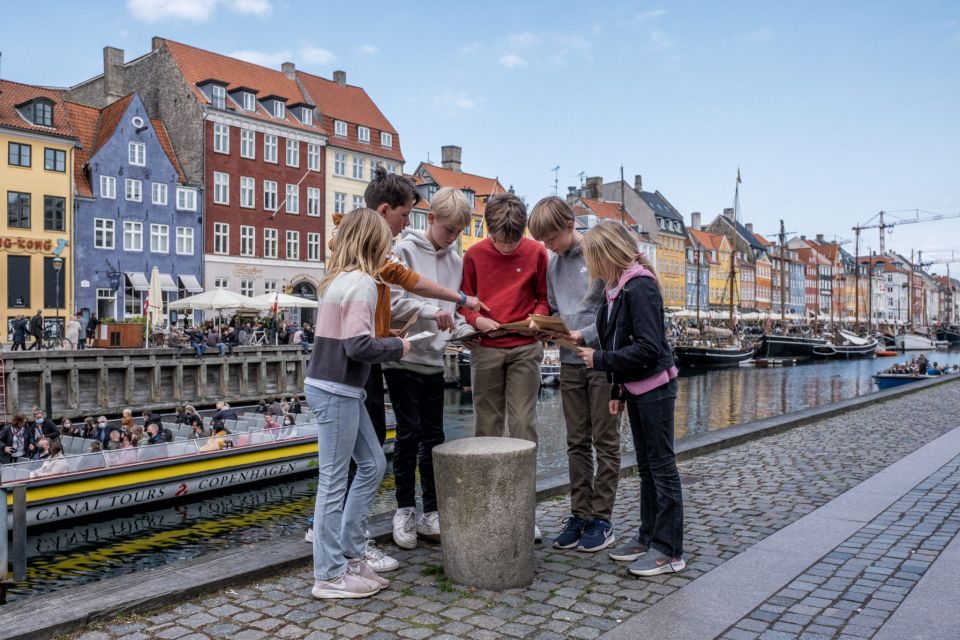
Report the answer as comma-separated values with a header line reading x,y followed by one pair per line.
x,y
146,302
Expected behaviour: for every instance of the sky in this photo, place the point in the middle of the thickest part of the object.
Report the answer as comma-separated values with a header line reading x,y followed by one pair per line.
x,y
831,111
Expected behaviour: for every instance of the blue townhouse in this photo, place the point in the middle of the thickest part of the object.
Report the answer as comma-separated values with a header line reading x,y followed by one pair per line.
x,y
134,212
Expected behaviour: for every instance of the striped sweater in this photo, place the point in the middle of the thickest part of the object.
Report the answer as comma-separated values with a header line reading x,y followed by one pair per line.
x,y
344,344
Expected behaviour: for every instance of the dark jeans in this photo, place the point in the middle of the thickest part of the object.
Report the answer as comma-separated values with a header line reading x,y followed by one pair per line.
x,y
19,345
661,497
81,343
418,404
36,343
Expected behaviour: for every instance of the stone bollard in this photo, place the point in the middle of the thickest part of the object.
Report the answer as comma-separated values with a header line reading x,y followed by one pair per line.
x,y
486,492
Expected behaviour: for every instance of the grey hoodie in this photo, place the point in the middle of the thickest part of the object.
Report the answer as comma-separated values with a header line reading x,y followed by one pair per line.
x,y
573,297
443,266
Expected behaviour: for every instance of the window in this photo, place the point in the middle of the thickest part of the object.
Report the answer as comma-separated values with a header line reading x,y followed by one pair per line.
x,y
306,116
132,236
466,230
18,155
246,241
419,221
313,157
270,195
103,233
279,109
106,303
133,190
18,210
137,154
313,201
269,243
132,301
54,160
221,188
247,192
313,246
53,213
221,138
42,114
340,128
221,283
18,281
185,241
159,238
339,203
339,164
158,193
358,167
293,198
478,227
186,199
269,286
221,237
218,96
358,202
108,187
249,101
269,148
246,288
386,139
293,245
293,153
363,134
471,197
248,144
392,167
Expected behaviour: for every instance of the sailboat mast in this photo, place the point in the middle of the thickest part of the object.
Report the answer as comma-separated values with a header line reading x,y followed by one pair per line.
x,y
783,278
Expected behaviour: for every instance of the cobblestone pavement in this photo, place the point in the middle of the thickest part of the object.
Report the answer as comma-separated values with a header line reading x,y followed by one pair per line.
x,y
733,499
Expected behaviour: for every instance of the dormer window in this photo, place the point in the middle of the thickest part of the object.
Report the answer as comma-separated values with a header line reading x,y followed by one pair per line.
x,y
386,139
279,110
306,116
249,101
218,97
340,128
471,196
39,112
363,134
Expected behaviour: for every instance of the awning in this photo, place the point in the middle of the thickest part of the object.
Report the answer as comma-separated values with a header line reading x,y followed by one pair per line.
x,y
137,280
191,284
167,283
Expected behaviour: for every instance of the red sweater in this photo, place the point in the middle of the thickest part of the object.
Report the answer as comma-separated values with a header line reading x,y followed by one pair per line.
x,y
513,286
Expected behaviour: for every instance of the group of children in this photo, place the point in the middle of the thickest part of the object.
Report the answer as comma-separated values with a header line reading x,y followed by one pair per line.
x,y
598,283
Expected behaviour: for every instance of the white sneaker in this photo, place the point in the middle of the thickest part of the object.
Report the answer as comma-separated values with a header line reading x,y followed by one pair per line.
x,y
405,528
378,560
537,534
359,567
429,524
309,535
349,585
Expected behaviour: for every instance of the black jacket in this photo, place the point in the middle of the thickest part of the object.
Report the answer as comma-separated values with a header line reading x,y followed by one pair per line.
x,y
36,326
20,330
633,343
6,440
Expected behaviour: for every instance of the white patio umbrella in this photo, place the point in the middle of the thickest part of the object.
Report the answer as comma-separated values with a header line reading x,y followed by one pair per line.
x,y
283,300
154,306
218,299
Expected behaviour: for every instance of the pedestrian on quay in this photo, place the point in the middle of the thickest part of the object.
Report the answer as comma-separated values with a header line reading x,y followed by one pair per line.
x,y
36,330
338,369
635,353
73,331
92,325
84,323
20,328
584,393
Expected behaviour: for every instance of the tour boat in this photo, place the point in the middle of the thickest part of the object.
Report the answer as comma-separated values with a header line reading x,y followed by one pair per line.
x,y
917,342
888,380
845,344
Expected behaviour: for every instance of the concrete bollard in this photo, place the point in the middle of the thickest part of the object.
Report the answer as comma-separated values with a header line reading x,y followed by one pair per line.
x,y
486,493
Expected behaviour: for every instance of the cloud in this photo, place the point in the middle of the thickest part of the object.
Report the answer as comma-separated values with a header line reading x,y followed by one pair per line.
x,y
524,39
762,34
316,55
453,103
660,40
307,55
650,15
368,50
512,60
194,10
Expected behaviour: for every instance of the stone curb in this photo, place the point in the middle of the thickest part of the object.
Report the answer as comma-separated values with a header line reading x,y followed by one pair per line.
x,y
70,609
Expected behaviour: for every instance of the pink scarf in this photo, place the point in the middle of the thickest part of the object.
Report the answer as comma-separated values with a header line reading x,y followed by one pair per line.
x,y
636,270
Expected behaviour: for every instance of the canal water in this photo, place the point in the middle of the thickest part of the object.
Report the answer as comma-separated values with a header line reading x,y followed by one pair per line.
x,y
114,545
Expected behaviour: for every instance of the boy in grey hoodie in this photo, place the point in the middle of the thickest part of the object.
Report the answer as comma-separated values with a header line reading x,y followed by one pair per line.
x,y
584,393
416,382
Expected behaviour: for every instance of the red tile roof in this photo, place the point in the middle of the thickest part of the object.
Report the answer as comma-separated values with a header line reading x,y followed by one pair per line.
x,y
708,240
109,117
460,180
14,94
606,210
762,240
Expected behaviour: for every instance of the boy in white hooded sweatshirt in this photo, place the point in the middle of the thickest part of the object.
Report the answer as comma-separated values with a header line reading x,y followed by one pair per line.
x,y
416,382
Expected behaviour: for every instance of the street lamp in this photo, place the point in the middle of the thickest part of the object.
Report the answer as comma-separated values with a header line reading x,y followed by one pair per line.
x,y
57,268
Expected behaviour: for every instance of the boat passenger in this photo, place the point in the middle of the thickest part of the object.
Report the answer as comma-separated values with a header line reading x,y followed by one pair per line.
x,y
66,427
114,440
55,463
218,440
43,449
14,440
198,431
262,407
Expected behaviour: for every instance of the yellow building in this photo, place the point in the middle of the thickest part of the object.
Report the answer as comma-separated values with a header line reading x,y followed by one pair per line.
x,y
719,255
672,267
36,181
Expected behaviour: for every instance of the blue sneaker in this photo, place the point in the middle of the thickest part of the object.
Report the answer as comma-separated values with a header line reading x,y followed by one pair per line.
x,y
597,535
570,537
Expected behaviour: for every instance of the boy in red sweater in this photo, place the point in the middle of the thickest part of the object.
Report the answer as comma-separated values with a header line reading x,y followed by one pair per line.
x,y
509,273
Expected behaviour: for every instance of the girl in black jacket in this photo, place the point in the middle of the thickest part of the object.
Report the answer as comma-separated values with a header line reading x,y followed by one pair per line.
x,y
635,353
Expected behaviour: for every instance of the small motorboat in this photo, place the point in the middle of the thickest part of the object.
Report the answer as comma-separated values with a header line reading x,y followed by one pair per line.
x,y
917,342
845,344
890,380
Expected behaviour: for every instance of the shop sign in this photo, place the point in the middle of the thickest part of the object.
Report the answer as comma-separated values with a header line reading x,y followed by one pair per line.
x,y
26,244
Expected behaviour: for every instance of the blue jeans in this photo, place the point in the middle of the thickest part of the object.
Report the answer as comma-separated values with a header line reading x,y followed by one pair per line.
x,y
345,431
661,496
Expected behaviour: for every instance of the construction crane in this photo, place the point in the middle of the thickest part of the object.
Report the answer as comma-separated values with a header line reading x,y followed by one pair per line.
x,y
884,223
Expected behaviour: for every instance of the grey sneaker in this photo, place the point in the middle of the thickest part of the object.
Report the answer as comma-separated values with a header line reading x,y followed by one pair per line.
x,y
655,563
349,585
359,567
629,550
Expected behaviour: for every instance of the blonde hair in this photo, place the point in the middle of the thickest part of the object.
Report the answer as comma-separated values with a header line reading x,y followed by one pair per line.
x,y
549,216
609,249
362,244
450,206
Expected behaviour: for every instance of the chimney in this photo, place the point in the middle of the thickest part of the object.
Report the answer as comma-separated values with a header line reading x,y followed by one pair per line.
x,y
820,238
571,195
638,182
290,70
340,77
728,213
804,238
593,187
695,220
112,75
749,227
450,157
155,43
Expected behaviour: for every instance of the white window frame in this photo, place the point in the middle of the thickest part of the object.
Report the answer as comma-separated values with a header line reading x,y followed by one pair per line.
x,y
248,144
270,242
218,96
293,153
221,283
221,138
307,114
158,193
313,156
159,238
137,154
186,199
270,148
248,192
132,235
358,167
357,202
185,237
106,229
221,187
293,199
269,286
392,167
108,187
132,190
279,110
248,240
339,202
246,288
249,101
313,246
363,134
221,238
313,201
292,246
339,163
270,195
340,128
386,139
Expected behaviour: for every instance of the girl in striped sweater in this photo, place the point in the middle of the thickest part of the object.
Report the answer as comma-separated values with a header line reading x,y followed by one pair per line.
x,y
343,349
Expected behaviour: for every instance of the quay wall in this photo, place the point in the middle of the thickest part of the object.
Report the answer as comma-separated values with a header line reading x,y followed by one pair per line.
x,y
105,381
